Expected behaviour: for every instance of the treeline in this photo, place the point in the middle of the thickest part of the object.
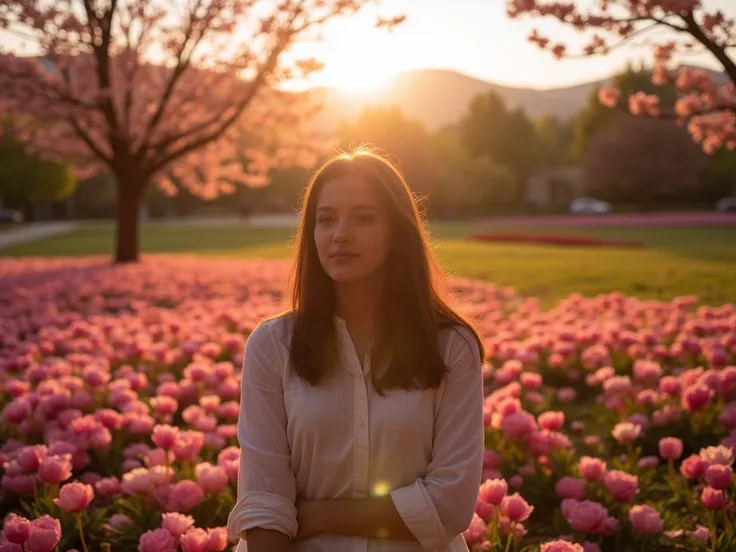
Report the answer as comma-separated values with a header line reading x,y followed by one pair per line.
x,y
484,163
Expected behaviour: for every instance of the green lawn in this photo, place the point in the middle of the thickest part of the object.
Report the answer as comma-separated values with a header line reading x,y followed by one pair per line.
x,y
676,261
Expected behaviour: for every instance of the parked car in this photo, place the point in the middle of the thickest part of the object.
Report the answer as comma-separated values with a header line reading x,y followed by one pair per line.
x,y
589,205
10,215
726,205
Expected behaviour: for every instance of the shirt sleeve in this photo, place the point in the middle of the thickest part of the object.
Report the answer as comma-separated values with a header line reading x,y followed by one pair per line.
x,y
266,485
439,507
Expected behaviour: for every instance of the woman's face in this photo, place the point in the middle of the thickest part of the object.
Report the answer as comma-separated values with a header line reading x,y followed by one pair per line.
x,y
352,230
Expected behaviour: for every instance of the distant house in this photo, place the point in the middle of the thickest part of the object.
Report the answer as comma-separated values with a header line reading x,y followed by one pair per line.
x,y
553,186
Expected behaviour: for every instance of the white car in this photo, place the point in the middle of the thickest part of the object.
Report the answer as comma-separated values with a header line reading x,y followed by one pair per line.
x,y
589,205
726,205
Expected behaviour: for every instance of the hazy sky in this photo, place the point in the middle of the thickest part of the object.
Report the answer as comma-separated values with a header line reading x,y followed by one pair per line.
x,y
471,36
475,37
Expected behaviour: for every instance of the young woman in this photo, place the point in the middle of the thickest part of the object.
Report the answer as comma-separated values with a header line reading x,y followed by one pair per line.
x,y
361,421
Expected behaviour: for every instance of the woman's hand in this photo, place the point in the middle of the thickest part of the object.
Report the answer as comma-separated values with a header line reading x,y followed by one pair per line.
x,y
309,518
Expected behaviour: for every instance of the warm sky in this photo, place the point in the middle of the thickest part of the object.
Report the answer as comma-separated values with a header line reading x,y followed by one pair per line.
x,y
475,37
471,36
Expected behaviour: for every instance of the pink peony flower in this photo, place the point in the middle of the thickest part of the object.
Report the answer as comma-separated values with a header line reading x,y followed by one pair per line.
x,y
137,481
493,491
586,516
518,425
713,499
157,540
718,455
566,394
21,484
561,546
212,479
476,531
719,476
107,486
29,457
118,521
165,436
16,528
646,520
491,459
74,497
177,524
516,481
700,533
184,496
569,487
626,432
45,534
670,385
516,508
693,467
695,396
670,448
592,469
484,509
55,469
216,538
623,486
551,420
648,462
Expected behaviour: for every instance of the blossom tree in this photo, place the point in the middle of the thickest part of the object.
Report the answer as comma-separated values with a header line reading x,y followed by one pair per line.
x,y
171,92
705,104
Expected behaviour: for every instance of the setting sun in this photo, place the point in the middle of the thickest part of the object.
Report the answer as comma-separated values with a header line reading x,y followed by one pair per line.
x,y
353,73
357,57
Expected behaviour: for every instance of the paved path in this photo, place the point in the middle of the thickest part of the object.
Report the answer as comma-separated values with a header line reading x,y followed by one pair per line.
x,y
619,219
35,231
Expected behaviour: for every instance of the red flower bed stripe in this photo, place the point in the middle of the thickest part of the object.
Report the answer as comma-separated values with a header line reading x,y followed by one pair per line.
x,y
554,239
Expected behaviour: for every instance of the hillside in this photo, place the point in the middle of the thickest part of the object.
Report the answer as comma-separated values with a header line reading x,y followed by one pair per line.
x,y
439,97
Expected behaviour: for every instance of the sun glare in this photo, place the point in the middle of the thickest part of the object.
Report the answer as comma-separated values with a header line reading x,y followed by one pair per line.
x,y
357,57
353,74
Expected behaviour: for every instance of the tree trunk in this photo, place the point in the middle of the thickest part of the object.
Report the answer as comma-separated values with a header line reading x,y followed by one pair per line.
x,y
29,211
127,237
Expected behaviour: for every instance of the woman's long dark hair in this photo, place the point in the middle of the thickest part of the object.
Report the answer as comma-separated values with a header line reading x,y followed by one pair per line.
x,y
413,309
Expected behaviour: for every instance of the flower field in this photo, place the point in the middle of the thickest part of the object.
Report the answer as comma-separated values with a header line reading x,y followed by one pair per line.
x,y
553,239
611,422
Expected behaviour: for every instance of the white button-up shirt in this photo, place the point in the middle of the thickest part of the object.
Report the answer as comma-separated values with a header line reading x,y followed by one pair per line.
x,y
340,439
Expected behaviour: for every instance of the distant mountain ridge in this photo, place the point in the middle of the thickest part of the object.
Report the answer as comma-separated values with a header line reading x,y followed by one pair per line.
x,y
439,97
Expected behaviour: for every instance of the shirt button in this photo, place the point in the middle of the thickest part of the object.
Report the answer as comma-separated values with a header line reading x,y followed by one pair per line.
x,y
362,423
361,470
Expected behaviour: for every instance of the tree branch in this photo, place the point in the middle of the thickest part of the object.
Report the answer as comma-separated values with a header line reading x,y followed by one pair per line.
x,y
718,52
670,114
181,66
623,42
102,54
164,159
87,139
